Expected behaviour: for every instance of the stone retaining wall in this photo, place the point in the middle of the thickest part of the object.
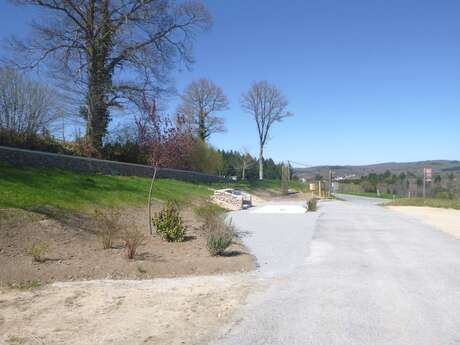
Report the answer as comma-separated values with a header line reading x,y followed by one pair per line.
x,y
226,199
39,159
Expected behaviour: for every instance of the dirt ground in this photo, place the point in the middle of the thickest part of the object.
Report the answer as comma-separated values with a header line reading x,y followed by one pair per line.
x,y
262,196
75,253
175,311
446,220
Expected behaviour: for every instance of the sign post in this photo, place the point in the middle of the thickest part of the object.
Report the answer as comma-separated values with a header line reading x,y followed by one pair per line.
x,y
427,177
331,175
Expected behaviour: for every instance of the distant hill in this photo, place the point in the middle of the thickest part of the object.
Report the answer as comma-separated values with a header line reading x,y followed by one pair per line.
x,y
355,171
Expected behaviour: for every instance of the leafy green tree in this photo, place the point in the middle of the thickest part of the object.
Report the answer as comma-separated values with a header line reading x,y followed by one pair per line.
x,y
206,159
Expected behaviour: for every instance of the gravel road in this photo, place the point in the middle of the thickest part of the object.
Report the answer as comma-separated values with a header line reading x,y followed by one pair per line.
x,y
351,273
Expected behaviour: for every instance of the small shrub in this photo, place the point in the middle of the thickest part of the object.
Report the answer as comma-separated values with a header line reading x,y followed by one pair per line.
x,y
141,269
39,250
133,238
218,241
208,212
220,237
108,223
39,141
312,205
445,195
26,285
125,151
169,224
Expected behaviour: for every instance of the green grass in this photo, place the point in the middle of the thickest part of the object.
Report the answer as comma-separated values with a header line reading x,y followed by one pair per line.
x,y
429,202
27,188
207,209
372,195
268,184
26,285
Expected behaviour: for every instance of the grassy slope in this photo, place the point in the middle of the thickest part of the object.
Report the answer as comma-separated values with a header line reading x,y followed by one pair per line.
x,y
269,184
429,202
372,195
28,188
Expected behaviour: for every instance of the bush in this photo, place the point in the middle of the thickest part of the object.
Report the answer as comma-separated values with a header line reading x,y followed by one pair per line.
x,y
108,223
205,158
445,195
169,224
39,141
26,285
141,269
312,205
39,250
220,236
133,238
218,241
129,152
208,212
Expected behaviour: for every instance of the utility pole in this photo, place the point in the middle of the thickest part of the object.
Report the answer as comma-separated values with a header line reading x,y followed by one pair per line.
x,y
288,171
330,182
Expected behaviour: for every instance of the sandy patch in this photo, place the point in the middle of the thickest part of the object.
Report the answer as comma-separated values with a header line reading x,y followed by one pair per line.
x,y
162,311
446,220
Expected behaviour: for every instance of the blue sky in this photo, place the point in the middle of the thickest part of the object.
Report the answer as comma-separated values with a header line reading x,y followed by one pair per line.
x,y
368,81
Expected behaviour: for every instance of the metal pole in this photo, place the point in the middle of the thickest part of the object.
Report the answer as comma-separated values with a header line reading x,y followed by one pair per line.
x,y
424,183
288,172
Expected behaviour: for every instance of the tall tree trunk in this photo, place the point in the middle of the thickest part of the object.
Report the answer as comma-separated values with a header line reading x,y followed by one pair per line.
x,y
97,115
261,163
99,78
202,127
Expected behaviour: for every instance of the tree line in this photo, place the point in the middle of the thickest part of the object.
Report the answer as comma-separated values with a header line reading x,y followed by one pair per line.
x,y
404,184
112,56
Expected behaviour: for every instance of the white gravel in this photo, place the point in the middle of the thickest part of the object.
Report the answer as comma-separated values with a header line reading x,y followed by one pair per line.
x,y
352,273
279,240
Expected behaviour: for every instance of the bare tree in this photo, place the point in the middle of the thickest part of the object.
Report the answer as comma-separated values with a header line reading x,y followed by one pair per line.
x,y
201,101
246,162
113,50
267,105
167,144
26,106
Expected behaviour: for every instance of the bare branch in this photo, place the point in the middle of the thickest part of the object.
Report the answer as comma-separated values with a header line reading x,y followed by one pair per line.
x,y
101,45
267,105
26,106
201,101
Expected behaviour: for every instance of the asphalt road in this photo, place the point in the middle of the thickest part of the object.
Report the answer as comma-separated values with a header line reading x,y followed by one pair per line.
x,y
351,273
